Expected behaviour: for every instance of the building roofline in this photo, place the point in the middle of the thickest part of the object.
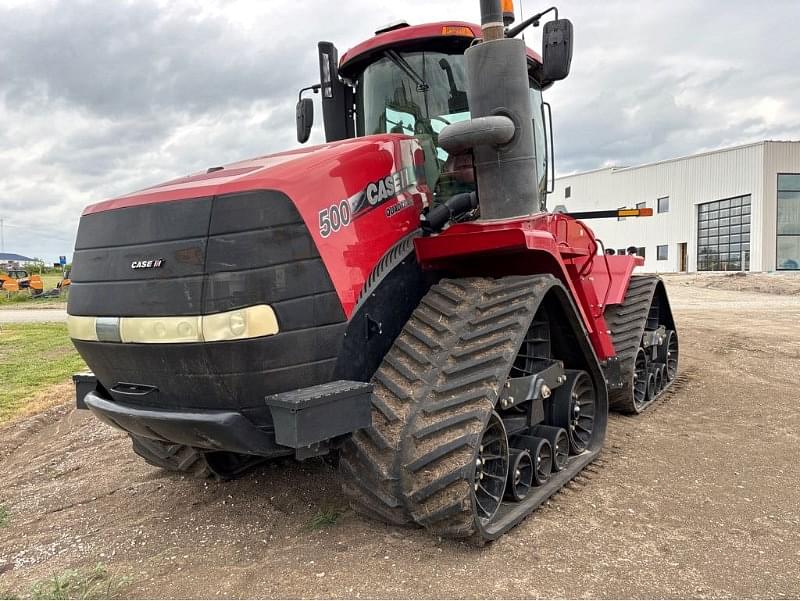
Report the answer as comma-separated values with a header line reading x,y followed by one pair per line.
x,y
14,257
616,169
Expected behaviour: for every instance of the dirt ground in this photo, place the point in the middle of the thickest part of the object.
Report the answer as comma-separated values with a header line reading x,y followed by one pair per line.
x,y
36,314
699,497
781,283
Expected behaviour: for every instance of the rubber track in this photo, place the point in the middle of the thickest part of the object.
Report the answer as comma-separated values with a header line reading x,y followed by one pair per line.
x,y
172,457
627,322
434,392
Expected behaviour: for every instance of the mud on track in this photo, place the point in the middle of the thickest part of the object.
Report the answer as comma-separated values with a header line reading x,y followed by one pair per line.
x,y
697,498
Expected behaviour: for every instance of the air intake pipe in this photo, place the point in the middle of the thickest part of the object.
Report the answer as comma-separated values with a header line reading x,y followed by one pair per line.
x,y
499,98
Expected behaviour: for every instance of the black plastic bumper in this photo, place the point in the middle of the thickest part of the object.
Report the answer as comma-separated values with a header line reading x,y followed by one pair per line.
x,y
304,421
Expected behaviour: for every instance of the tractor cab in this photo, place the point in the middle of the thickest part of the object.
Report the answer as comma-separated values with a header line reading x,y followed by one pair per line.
x,y
17,274
412,80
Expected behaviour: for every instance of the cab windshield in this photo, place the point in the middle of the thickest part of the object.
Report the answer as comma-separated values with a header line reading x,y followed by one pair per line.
x,y
416,93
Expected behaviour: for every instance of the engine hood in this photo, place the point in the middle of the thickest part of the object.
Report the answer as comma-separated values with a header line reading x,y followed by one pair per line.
x,y
283,171
380,180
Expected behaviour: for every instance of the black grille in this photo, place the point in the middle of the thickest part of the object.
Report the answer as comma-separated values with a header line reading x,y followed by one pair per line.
x,y
219,254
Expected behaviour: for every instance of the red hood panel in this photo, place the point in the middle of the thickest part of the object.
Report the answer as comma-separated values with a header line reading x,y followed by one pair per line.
x,y
356,197
272,171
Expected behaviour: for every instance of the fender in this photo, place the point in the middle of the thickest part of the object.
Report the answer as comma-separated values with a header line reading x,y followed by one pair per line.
x,y
545,243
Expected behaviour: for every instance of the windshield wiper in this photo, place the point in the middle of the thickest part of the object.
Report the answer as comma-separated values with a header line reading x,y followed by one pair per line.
x,y
398,60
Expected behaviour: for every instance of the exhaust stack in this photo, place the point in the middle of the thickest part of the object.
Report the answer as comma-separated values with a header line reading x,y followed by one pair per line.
x,y
492,20
499,100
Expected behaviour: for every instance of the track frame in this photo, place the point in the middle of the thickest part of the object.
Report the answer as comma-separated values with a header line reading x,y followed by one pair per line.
x,y
643,320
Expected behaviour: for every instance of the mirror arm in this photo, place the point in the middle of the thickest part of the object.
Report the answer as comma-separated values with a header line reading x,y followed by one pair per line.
x,y
315,88
534,20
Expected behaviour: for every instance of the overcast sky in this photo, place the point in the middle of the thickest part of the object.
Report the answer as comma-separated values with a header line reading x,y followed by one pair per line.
x,y
100,98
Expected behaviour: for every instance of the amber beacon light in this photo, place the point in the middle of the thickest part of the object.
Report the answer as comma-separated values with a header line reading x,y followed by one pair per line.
x,y
508,12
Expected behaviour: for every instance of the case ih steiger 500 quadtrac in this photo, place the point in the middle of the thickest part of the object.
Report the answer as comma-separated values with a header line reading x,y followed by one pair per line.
x,y
398,297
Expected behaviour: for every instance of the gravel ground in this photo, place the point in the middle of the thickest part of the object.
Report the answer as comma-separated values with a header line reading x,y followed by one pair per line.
x,y
696,498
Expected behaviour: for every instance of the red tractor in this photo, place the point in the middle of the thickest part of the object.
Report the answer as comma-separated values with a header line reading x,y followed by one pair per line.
x,y
398,298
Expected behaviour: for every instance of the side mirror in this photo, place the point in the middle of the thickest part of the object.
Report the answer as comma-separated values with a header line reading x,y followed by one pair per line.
x,y
305,119
556,49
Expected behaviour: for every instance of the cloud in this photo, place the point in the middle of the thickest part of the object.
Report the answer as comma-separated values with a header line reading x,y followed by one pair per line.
x,y
101,98
659,80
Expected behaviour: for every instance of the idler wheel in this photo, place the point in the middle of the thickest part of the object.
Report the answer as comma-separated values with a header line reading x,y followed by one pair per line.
x,y
640,392
573,409
658,379
542,461
491,468
520,475
668,354
559,441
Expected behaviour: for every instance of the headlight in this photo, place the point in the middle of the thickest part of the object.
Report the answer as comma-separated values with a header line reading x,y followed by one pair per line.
x,y
159,329
250,322
81,328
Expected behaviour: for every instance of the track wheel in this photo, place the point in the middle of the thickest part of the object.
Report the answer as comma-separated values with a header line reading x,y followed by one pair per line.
x,y
574,409
491,469
542,461
520,475
640,392
559,441
658,380
668,354
652,392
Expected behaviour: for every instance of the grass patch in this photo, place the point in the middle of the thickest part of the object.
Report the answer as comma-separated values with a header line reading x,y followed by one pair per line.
x,y
25,301
97,583
34,356
324,519
4,519
50,280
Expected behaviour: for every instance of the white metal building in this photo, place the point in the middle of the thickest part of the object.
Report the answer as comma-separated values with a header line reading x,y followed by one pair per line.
x,y
718,211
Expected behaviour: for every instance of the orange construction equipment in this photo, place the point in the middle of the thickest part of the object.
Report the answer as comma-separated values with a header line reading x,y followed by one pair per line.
x,y
19,279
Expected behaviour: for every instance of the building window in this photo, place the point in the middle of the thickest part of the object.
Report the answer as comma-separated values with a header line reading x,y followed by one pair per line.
x,y
621,252
788,222
641,205
662,252
723,235
663,204
567,191
640,251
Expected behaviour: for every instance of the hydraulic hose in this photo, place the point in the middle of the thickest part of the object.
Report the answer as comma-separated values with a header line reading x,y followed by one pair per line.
x,y
454,206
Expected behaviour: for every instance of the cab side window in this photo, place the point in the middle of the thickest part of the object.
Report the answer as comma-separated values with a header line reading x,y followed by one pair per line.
x,y
540,142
